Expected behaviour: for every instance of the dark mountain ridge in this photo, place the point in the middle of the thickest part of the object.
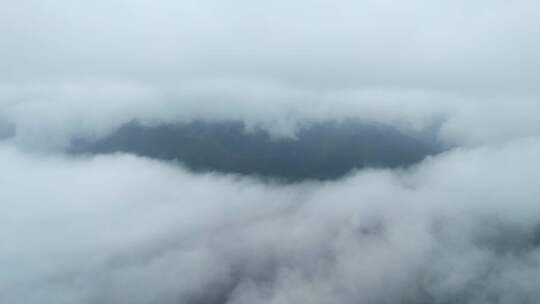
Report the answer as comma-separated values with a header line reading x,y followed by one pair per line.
x,y
319,151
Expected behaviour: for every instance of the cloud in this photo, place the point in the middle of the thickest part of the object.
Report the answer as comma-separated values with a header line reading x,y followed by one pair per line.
x,y
463,226
48,117
459,227
87,68
316,43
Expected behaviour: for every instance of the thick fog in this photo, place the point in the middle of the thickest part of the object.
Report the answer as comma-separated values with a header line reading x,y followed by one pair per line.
x,y
457,226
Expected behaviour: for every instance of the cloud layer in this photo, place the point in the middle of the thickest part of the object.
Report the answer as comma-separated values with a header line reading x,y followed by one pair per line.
x,y
453,229
459,227
86,68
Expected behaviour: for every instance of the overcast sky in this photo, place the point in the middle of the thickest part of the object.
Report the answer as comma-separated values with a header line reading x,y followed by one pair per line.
x,y
460,227
86,66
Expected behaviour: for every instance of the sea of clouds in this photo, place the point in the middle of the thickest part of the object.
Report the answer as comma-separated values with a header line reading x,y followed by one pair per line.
x,y
460,227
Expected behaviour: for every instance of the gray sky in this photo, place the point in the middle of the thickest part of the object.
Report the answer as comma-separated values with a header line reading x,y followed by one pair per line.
x,y
271,64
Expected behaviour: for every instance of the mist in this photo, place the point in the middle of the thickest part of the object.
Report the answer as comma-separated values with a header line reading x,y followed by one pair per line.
x,y
203,152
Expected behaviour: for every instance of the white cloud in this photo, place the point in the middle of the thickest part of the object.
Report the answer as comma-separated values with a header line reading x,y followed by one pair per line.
x,y
88,67
124,229
461,227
